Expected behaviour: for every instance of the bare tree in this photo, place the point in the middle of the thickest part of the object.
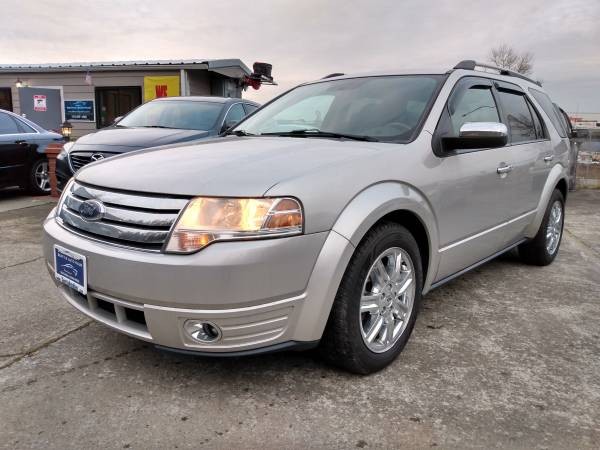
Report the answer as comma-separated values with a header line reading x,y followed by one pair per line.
x,y
508,58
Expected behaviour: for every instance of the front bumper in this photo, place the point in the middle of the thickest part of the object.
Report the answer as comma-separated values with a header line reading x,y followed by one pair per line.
x,y
255,292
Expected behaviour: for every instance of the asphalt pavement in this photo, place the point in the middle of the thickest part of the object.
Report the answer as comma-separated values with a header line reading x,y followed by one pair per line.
x,y
505,356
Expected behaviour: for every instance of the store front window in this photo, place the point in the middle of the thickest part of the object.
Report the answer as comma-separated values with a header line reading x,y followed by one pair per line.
x,y
113,102
6,99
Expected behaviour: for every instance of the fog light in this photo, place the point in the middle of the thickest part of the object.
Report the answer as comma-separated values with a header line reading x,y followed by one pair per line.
x,y
202,331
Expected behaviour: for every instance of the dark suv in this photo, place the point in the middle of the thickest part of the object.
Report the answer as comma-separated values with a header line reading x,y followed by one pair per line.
x,y
162,121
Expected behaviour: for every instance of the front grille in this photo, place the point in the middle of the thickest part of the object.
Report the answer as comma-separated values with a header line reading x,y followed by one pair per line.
x,y
79,159
131,220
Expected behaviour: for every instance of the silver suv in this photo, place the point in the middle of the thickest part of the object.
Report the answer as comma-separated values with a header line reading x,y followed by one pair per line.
x,y
320,219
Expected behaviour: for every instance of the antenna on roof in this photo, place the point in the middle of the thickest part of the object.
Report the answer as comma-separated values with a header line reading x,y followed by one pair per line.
x,y
331,75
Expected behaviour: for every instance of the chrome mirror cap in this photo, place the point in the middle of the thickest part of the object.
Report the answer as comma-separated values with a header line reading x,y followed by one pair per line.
x,y
483,130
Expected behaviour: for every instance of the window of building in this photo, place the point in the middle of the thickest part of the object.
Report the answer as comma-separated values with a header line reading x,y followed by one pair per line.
x,y
6,99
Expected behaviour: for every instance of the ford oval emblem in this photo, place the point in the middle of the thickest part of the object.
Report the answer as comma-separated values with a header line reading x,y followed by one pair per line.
x,y
92,210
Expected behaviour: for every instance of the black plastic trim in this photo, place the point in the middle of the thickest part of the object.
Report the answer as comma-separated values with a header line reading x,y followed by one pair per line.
x,y
477,264
284,346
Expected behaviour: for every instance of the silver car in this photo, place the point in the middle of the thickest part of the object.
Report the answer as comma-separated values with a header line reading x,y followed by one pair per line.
x,y
321,219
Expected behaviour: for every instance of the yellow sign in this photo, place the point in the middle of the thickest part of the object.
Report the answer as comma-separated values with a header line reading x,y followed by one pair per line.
x,y
155,87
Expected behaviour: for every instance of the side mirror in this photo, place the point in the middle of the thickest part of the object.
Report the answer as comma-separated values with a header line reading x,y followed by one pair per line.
x,y
117,120
573,133
473,135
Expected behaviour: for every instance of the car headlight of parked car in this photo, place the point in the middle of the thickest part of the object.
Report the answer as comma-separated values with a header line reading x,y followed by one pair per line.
x,y
65,150
208,219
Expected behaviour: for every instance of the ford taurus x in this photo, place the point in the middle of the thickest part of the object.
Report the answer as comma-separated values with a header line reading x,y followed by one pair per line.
x,y
321,219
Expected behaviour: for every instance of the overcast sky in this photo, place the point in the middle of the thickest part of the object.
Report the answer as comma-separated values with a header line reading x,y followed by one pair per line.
x,y
306,39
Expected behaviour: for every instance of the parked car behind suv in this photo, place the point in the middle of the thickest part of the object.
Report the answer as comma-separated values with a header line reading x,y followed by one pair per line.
x,y
162,121
23,162
322,220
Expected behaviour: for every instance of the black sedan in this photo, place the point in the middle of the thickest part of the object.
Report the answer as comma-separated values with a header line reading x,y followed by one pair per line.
x,y
23,162
162,121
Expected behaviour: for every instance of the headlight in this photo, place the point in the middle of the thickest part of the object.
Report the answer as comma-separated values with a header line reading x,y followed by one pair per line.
x,y
208,219
65,150
63,196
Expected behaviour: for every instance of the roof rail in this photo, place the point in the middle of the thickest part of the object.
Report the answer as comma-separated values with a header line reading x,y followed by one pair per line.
x,y
331,75
469,64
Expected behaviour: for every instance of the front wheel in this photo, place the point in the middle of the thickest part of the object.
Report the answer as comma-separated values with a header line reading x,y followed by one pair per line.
x,y
543,248
377,302
39,177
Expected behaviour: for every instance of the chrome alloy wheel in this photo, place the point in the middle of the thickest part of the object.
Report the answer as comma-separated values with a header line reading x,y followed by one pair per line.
x,y
42,176
554,227
387,299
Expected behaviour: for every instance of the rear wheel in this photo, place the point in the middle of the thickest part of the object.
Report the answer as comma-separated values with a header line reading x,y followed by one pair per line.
x,y
543,248
377,302
39,177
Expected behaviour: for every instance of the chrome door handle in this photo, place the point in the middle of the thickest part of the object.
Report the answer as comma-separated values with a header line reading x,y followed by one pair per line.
x,y
504,169
548,158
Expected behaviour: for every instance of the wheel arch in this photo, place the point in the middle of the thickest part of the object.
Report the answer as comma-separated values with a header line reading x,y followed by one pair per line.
x,y
398,203
557,179
386,201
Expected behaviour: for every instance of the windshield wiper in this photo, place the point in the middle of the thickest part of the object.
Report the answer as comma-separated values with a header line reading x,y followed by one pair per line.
x,y
157,126
314,132
238,133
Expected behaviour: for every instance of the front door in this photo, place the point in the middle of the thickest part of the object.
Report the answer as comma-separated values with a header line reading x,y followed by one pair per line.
x,y
470,197
113,102
42,106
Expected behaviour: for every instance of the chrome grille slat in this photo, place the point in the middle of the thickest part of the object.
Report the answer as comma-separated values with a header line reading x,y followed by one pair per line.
x,y
132,200
143,218
113,231
79,159
136,221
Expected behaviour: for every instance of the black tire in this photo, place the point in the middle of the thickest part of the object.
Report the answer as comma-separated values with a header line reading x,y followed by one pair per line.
x,y
535,251
34,185
342,343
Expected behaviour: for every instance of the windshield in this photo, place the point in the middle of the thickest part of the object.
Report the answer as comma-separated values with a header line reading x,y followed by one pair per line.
x,y
385,108
186,115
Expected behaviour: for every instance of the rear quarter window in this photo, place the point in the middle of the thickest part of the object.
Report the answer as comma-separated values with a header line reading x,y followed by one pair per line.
x,y
548,107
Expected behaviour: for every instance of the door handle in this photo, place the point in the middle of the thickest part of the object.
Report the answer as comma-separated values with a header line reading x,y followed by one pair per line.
x,y
504,169
548,158
21,142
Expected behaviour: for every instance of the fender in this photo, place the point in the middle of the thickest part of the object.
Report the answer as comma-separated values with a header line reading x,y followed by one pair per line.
x,y
557,173
359,215
380,199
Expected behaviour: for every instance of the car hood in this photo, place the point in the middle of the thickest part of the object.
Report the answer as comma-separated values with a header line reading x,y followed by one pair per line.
x,y
247,166
126,139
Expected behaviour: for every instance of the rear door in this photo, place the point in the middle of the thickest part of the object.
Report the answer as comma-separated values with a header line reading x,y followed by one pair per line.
x,y
14,152
529,146
471,199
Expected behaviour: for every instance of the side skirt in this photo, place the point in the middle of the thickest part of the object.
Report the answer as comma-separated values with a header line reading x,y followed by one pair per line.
x,y
477,264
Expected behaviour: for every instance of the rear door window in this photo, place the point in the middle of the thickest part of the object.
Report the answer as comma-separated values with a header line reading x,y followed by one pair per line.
x,y
549,109
8,125
518,117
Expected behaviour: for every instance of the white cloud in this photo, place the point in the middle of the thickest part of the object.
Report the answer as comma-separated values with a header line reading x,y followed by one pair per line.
x,y
308,39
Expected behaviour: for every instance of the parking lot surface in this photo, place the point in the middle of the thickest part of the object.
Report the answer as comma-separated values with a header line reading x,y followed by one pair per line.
x,y
505,356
